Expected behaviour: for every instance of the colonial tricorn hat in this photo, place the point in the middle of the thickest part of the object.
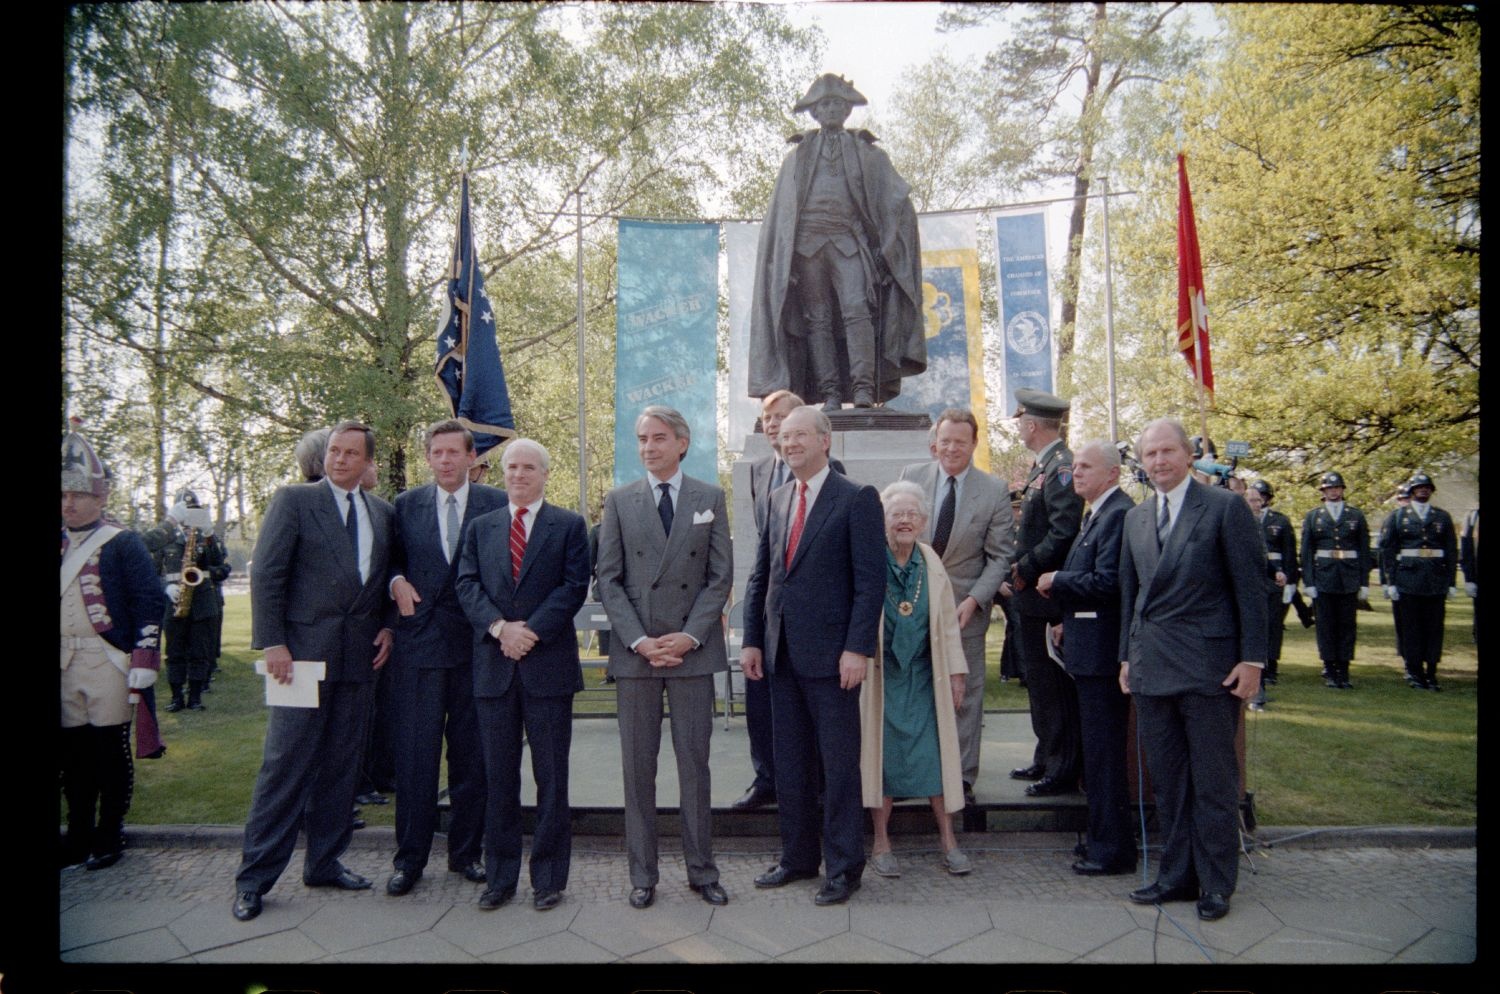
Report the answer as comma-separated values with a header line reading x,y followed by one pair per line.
x,y
82,472
829,85
1039,403
1330,480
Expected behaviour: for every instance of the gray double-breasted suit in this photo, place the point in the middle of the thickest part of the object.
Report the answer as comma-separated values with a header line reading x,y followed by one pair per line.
x,y
306,593
653,583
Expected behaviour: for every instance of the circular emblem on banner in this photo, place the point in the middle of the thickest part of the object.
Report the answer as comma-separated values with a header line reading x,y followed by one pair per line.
x,y
1027,333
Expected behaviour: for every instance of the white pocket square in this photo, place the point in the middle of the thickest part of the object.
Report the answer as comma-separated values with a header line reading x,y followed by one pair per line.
x,y
703,517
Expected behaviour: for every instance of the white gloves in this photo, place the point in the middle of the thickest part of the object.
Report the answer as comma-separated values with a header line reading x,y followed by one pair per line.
x,y
1287,593
1392,594
173,589
1364,594
1472,589
139,678
1312,593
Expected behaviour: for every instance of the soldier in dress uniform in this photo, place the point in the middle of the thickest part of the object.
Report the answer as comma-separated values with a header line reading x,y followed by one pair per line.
x,y
1419,559
1281,576
189,580
1468,557
1051,513
1403,499
1336,565
111,612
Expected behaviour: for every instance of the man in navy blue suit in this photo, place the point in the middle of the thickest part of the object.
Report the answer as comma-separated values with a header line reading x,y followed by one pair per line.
x,y
432,670
812,614
523,574
1087,589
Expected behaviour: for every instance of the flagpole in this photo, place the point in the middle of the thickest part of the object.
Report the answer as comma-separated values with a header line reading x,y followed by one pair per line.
x,y
583,451
1109,321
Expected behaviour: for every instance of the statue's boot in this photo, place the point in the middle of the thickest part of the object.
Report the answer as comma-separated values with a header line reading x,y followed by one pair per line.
x,y
859,335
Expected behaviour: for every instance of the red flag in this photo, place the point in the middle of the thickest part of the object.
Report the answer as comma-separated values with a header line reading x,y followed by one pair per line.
x,y
1192,309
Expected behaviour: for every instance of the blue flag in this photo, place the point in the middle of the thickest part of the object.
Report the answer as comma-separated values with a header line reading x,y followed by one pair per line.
x,y
468,358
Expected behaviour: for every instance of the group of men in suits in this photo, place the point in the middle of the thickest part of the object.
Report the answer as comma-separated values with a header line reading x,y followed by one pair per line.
x,y
457,584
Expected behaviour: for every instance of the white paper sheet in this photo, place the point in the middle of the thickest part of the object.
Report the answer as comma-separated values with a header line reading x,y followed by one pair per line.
x,y
302,692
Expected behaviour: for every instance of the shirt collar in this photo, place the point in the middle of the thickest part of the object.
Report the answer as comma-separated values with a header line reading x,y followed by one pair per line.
x,y
674,481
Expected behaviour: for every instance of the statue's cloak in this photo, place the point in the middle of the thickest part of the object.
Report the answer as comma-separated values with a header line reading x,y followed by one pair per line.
x,y
889,235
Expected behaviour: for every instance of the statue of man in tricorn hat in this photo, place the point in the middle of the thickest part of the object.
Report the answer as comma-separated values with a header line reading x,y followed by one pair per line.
x,y
836,316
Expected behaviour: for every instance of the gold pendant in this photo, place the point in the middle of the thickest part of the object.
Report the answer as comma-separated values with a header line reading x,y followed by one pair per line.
x,y
904,608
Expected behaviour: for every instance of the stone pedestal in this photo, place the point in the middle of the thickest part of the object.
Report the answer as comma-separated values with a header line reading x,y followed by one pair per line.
x,y
873,455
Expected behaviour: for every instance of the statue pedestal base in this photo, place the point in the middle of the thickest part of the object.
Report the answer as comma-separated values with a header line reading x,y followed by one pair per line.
x,y
870,451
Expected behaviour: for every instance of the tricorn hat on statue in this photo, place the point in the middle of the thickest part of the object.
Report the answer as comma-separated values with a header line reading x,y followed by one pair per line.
x,y
82,472
829,85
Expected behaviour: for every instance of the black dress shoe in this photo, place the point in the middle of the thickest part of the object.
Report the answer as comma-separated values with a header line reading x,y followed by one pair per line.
x,y
1081,850
175,705
345,880
103,860
401,882
546,900
712,893
473,873
1048,786
780,876
357,822
1033,772
492,899
1433,684
755,797
246,905
1212,907
196,706
642,897
836,890
1159,892
1088,868
372,797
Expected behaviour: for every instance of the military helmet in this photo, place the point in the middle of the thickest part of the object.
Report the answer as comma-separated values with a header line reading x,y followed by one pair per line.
x,y
82,470
1264,489
1330,480
1420,480
1202,450
1403,492
187,498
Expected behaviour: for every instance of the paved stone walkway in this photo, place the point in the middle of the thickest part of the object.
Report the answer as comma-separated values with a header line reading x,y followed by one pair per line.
x,y
1383,897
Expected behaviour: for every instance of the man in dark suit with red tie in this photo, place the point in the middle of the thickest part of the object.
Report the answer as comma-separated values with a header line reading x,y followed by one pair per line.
x,y
812,611
431,669
1192,590
1087,589
523,574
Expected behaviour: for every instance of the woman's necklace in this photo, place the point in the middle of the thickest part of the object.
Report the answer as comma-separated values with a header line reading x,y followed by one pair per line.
x,y
905,608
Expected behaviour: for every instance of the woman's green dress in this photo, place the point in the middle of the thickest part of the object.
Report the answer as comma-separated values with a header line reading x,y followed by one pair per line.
x,y
911,765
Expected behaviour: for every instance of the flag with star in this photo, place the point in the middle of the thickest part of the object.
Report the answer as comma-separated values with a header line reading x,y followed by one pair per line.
x,y
468,357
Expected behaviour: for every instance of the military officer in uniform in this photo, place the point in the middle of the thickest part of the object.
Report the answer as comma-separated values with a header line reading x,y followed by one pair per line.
x,y
1281,576
1419,560
193,609
1335,572
1468,557
1403,499
1051,512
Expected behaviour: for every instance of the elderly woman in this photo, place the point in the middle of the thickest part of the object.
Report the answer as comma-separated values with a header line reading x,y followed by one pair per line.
x,y
908,729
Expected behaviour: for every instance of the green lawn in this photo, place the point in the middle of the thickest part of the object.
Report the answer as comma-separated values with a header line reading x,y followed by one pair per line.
x,y
1380,754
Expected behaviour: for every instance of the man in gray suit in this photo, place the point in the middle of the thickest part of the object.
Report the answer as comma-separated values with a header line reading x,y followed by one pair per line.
x,y
1192,650
972,531
317,593
665,567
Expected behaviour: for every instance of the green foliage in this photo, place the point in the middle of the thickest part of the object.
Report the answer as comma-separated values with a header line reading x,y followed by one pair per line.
x,y
1334,157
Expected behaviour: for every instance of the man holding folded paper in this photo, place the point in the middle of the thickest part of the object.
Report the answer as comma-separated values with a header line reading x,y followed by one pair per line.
x,y
317,594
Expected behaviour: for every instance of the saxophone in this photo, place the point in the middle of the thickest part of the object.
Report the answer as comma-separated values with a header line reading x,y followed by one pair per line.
x,y
192,576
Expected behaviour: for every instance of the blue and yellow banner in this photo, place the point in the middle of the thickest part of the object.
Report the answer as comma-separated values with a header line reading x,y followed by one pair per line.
x,y
951,314
1025,303
666,323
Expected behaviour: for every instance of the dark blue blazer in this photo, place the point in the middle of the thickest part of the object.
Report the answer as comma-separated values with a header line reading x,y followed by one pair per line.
x,y
437,635
133,593
553,585
830,600
1087,589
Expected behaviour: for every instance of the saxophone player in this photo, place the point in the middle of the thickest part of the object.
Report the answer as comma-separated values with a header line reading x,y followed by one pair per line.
x,y
190,559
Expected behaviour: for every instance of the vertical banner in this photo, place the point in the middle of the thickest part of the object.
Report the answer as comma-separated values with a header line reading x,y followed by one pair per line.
x,y
741,239
1025,304
666,322
951,316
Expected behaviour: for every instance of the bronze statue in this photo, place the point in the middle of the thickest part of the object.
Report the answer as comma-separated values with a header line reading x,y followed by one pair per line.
x,y
837,312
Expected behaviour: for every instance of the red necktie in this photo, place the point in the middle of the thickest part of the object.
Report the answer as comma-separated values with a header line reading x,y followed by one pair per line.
x,y
801,519
517,543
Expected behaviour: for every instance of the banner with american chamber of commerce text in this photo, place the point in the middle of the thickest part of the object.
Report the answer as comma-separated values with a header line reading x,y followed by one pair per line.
x,y
1025,303
951,317
666,322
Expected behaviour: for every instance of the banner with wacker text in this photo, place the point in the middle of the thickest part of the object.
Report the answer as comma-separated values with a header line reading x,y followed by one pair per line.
x,y
951,317
1025,303
666,319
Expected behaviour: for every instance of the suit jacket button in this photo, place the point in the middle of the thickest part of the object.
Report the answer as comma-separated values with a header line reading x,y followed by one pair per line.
x,y
655,585
684,586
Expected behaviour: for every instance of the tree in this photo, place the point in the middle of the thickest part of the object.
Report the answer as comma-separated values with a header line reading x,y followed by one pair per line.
x,y
1334,155
1053,86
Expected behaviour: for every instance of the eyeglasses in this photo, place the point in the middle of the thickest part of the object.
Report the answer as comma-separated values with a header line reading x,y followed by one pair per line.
x,y
905,516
